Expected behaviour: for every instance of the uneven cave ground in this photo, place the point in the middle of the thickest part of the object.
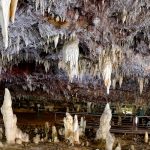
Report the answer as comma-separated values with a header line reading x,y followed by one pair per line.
x,y
59,56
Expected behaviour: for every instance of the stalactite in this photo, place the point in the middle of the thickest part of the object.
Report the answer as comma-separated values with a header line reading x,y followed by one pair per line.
x,y
7,11
41,5
114,83
46,65
56,38
120,80
124,15
4,19
13,7
70,55
141,84
106,73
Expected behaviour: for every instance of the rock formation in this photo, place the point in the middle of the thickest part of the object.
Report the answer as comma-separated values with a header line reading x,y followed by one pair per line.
x,y
72,131
104,128
12,132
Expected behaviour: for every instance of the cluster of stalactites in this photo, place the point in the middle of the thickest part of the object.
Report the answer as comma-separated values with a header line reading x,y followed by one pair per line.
x,y
142,82
109,61
117,78
70,56
7,11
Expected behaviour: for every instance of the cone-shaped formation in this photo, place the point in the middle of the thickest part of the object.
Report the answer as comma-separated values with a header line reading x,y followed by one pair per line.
x,y
71,129
104,127
12,132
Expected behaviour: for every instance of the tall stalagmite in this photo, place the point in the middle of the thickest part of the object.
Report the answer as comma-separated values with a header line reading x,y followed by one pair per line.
x,y
12,132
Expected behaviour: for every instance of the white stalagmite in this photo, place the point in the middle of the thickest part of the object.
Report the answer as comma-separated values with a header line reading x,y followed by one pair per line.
x,y
7,10
76,130
104,127
68,124
82,126
72,131
36,139
70,55
146,137
46,130
106,73
118,147
89,107
12,132
54,135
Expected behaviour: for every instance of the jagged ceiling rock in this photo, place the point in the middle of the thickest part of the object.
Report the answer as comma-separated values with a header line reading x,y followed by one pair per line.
x,y
117,29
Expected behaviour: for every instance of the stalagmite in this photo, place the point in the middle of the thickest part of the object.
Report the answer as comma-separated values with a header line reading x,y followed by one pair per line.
x,y
70,55
68,124
104,127
36,139
13,7
12,132
82,126
146,137
76,130
54,135
89,107
118,147
1,133
46,130
106,73
72,131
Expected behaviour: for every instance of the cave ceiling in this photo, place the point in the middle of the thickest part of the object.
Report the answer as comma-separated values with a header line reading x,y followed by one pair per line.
x,y
118,30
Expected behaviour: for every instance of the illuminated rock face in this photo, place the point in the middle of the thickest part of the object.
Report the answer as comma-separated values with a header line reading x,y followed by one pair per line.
x,y
12,132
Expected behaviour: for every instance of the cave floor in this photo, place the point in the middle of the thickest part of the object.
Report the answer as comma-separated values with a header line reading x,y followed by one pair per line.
x,y
32,120
126,144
